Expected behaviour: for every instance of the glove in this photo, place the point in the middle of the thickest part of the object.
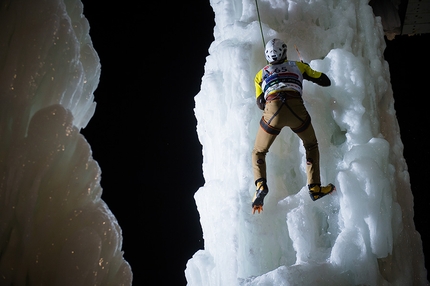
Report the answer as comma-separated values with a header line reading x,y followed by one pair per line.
x,y
323,80
261,102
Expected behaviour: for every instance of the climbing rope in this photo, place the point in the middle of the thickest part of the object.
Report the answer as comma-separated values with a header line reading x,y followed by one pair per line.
x,y
261,28
262,34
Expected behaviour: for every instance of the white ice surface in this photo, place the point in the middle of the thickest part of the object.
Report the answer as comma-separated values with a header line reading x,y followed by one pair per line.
x,y
364,233
54,228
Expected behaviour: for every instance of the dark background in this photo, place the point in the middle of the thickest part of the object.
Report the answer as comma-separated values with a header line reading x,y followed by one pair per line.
x,y
143,134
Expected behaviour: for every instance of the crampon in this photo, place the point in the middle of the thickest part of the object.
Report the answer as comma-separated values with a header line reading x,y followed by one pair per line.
x,y
258,200
256,208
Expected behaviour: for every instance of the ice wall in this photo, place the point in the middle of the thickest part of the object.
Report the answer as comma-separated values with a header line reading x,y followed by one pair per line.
x,y
363,234
54,228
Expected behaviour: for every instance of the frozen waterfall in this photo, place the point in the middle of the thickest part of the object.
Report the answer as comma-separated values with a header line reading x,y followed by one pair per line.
x,y
54,228
364,233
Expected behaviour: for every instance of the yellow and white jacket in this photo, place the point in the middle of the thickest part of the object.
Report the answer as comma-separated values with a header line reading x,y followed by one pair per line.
x,y
286,76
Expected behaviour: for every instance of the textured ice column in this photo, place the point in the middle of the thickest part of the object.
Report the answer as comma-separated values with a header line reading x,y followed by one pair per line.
x,y
54,228
363,234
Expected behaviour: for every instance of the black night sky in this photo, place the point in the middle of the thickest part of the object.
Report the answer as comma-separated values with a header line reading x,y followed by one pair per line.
x,y
143,134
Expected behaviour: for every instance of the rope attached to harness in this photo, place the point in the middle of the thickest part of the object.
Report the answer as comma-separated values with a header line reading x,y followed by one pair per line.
x,y
259,20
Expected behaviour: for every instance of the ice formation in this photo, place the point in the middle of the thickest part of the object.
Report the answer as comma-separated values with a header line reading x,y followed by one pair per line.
x,y
54,227
363,234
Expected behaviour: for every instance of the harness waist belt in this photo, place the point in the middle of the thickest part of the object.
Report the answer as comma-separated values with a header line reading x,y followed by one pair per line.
x,y
283,95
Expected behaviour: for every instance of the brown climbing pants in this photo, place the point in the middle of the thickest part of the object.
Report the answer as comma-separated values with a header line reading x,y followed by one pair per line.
x,y
277,115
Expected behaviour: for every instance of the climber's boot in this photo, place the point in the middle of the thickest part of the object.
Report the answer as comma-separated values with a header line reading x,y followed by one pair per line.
x,y
317,192
260,193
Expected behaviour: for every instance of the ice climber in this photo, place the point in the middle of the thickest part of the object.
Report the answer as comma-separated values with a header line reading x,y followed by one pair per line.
x,y
279,93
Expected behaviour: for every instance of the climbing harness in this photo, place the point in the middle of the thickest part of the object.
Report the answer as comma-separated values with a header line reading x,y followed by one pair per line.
x,y
275,131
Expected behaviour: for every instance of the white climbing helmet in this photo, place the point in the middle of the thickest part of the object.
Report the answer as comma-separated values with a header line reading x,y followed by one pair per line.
x,y
275,50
